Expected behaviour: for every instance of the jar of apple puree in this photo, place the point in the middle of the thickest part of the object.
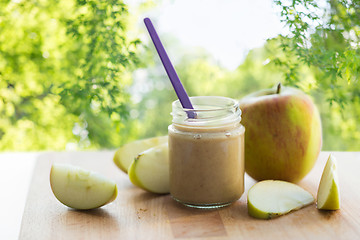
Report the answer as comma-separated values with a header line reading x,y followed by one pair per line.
x,y
206,153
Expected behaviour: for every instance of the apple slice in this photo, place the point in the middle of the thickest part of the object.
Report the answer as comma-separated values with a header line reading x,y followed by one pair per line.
x,y
328,196
272,198
125,155
81,189
150,170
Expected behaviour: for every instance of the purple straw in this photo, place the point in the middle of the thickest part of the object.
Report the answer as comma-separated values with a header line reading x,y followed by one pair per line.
x,y
170,70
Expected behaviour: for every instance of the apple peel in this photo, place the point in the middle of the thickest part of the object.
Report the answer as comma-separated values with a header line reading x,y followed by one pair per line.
x,y
283,134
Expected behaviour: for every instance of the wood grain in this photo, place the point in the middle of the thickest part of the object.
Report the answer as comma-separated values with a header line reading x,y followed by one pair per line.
x,y
137,214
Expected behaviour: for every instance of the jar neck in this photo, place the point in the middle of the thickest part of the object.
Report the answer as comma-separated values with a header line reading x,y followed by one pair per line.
x,y
210,113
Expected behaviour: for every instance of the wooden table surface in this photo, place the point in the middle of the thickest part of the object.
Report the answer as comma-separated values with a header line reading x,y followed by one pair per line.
x,y
137,214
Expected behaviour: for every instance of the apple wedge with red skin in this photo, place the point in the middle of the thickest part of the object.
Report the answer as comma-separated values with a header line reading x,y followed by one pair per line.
x,y
283,135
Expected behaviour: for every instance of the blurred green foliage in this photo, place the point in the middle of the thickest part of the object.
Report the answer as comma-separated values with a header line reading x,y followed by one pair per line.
x,y
327,40
64,66
71,77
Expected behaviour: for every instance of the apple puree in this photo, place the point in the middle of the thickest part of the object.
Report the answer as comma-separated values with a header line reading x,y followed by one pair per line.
x,y
206,164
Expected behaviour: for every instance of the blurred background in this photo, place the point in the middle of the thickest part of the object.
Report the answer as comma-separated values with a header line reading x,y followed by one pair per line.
x,y
83,74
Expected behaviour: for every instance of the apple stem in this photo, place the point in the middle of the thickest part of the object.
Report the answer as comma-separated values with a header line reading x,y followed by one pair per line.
x,y
278,88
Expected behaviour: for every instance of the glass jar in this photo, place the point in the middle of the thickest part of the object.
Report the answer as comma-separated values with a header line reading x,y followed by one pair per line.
x,y
206,153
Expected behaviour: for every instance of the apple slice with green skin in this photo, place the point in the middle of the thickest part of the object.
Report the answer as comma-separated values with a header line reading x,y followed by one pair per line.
x,y
328,197
150,170
125,155
272,198
81,189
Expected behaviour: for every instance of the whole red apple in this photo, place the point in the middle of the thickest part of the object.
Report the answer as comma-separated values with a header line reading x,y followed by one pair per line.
x,y
283,135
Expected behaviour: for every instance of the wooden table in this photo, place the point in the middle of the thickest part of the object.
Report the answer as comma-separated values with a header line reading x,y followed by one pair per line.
x,y
137,214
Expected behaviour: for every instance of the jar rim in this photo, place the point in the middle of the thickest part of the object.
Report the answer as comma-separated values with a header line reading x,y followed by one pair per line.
x,y
209,111
232,103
